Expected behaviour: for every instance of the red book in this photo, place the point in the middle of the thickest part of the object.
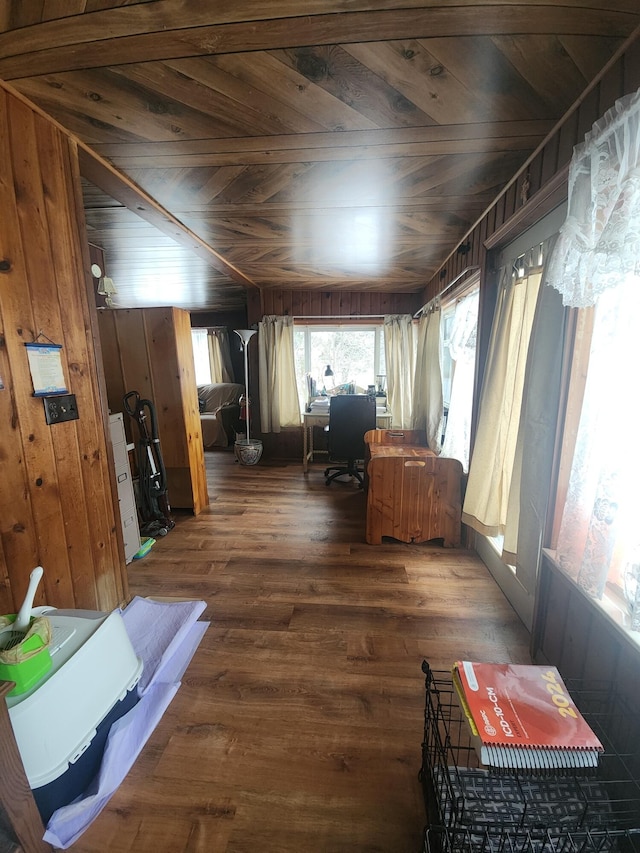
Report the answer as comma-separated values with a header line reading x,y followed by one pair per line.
x,y
521,716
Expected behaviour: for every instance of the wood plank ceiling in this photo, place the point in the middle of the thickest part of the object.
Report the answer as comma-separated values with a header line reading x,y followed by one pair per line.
x,y
330,144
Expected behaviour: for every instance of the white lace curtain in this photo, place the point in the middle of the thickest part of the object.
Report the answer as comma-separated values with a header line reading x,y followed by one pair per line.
x,y
597,262
462,346
399,352
279,404
599,243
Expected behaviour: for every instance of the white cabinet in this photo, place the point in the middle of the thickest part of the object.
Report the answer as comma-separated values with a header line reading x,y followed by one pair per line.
x,y
126,495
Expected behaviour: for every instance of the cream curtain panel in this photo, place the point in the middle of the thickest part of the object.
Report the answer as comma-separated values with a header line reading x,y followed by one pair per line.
x,y
428,408
491,467
219,355
279,404
533,464
399,351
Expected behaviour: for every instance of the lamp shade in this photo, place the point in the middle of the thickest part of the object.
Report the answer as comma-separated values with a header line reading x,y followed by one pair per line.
x,y
245,335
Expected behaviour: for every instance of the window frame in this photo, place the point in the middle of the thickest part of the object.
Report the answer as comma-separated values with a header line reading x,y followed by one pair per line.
x,y
310,326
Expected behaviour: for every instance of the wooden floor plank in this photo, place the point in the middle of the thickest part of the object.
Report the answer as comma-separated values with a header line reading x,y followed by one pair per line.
x,y
298,724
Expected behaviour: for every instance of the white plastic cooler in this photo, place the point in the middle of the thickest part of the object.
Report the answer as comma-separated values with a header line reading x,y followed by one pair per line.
x,y
62,723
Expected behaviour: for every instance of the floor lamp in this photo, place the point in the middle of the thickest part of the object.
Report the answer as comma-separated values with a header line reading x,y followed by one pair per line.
x,y
248,450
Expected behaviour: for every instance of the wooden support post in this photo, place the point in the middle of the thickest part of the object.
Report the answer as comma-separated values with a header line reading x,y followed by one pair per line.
x,y
15,794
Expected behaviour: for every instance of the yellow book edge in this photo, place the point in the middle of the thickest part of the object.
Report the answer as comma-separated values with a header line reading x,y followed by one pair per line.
x,y
462,701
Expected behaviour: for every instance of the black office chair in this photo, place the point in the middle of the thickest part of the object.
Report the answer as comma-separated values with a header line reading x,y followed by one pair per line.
x,y
350,416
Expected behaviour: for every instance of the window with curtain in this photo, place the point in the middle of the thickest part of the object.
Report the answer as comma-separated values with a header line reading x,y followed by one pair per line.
x,y
459,326
201,356
428,405
494,452
596,269
279,405
354,353
211,355
598,542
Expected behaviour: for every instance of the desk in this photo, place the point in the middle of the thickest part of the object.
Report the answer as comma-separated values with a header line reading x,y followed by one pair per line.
x,y
412,494
320,419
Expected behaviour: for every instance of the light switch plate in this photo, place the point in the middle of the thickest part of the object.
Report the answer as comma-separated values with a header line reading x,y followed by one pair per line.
x,y
60,408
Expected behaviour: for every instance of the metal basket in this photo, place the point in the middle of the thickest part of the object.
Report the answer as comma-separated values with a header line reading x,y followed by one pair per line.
x,y
461,794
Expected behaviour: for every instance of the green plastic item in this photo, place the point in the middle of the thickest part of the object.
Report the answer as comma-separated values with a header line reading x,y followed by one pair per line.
x,y
28,672
145,547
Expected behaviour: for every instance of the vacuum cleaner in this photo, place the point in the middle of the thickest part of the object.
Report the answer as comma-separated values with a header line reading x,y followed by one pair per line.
x,y
153,501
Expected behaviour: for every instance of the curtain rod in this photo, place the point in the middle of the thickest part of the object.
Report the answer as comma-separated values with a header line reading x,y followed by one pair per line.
x,y
337,316
451,284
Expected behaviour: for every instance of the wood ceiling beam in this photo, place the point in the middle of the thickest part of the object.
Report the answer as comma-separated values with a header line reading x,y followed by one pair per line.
x,y
79,44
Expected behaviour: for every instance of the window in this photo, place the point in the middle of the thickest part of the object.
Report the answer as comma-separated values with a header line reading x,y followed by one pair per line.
x,y
459,326
598,543
199,339
447,361
211,355
354,353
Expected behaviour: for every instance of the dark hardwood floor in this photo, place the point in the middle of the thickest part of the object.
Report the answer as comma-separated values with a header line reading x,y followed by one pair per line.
x,y
298,724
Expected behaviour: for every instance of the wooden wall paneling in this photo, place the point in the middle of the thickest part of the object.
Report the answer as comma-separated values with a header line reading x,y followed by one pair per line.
x,y
578,625
325,303
133,361
254,307
355,300
549,159
500,212
17,530
535,172
337,303
575,634
479,236
602,648
300,303
611,88
552,603
82,447
315,303
631,70
114,377
588,113
365,303
42,304
65,466
628,686
567,135
511,201
490,216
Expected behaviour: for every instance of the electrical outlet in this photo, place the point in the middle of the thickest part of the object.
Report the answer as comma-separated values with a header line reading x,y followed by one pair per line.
x,y
60,408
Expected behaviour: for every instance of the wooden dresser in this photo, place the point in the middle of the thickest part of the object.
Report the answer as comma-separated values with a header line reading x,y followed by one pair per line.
x,y
412,494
